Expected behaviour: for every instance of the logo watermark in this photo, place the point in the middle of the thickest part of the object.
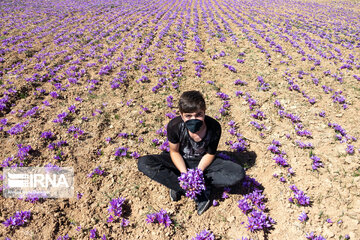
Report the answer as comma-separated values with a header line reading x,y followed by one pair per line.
x,y
49,183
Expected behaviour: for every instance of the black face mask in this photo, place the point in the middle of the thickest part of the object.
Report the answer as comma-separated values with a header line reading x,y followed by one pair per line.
x,y
193,125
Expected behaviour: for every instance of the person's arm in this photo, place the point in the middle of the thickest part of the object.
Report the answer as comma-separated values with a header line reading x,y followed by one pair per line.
x,y
176,157
205,161
209,157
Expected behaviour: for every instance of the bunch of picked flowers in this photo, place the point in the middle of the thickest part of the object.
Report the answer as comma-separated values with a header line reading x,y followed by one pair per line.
x,y
192,182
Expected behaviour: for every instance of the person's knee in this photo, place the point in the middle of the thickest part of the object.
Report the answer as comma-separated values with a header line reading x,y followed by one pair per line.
x,y
241,173
238,174
142,164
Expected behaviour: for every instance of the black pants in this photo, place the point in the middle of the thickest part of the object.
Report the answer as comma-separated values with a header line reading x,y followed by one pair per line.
x,y
220,173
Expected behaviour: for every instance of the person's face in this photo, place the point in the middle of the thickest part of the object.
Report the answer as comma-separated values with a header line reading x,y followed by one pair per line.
x,y
200,115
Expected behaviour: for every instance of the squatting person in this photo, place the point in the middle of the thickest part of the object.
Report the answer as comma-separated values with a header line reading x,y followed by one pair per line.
x,y
193,141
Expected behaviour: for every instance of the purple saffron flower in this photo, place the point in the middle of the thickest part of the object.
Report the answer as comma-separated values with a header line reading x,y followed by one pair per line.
x,y
93,233
239,93
156,142
97,171
160,217
72,108
231,68
4,121
65,237
301,198
18,128
116,208
350,149
312,100
47,135
204,235
6,162
210,82
262,85
51,167
232,123
79,195
135,155
35,197
171,115
110,218
224,195
278,104
46,103
19,219
151,218
23,152
124,222
240,82
258,221
316,162
169,100
303,217
312,236
165,146
244,205
121,152
223,96
54,94
279,159
259,115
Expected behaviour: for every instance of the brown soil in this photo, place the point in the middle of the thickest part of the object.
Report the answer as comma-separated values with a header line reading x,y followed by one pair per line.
x,y
333,189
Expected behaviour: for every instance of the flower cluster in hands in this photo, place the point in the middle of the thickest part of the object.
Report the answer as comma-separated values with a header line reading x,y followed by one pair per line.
x,y
192,182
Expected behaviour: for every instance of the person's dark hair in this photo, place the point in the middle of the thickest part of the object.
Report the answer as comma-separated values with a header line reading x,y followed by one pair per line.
x,y
191,101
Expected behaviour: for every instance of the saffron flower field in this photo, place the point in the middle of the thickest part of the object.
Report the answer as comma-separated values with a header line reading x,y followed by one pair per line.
x,y
92,84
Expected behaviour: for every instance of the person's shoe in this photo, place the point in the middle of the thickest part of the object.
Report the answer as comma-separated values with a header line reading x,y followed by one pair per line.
x,y
174,195
202,202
